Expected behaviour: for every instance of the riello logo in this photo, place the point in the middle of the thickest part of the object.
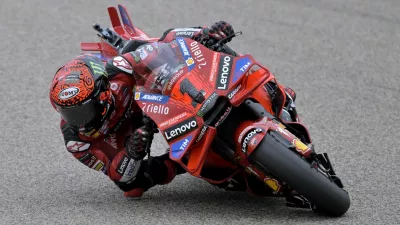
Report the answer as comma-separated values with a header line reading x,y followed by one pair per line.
x,y
68,93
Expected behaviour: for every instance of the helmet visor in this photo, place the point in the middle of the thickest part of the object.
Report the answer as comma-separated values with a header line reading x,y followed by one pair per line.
x,y
81,114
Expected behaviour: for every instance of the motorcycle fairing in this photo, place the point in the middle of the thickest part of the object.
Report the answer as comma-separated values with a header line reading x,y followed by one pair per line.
x,y
215,75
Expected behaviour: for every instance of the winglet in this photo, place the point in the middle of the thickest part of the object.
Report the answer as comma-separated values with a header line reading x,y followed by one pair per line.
x,y
113,13
126,20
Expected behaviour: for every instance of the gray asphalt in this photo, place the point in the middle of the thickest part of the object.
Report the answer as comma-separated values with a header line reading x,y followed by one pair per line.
x,y
342,57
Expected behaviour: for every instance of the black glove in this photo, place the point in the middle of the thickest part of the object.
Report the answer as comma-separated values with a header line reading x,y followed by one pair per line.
x,y
136,144
219,30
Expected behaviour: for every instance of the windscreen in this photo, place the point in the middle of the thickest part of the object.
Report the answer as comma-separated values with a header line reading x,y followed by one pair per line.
x,y
157,64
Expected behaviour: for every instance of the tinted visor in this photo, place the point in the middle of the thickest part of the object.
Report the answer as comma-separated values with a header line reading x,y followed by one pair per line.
x,y
82,114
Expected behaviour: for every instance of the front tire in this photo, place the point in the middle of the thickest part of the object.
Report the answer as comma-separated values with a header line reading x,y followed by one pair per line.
x,y
272,157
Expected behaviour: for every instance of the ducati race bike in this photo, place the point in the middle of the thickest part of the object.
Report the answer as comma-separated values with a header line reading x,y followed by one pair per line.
x,y
225,115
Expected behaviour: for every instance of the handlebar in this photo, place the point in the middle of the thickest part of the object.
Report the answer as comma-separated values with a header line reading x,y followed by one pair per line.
x,y
221,44
109,36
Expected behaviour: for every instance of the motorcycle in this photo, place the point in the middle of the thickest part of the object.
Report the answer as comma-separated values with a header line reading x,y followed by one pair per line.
x,y
225,116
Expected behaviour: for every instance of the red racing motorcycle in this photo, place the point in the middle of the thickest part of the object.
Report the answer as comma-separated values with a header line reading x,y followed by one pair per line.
x,y
224,117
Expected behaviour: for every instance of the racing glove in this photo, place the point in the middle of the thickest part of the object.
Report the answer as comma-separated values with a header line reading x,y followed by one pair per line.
x,y
136,145
218,31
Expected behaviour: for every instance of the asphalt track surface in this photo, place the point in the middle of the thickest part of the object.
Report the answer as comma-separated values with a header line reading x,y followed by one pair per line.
x,y
342,57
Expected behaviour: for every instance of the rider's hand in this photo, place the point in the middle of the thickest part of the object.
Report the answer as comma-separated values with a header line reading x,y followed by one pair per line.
x,y
219,30
136,144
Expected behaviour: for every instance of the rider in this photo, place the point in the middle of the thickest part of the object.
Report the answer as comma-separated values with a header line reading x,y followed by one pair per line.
x,y
101,123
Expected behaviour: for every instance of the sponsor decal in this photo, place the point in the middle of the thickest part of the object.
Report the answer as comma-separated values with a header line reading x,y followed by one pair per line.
x,y
149,47
272,183
173,120
189,62
186,54
77,146
240,67
174,79
137,95
85,158
112,140
185,33
202,132
207,104
214,67
198,55
244,132
248,137
97,68
128,169
122,64
122,165
223,116
180,129
234,92
142,53
114,86
186,29
91,162
283,131
300,146
162,99
156,109
225,67
68,93
98,166
73,77
131,167
179,147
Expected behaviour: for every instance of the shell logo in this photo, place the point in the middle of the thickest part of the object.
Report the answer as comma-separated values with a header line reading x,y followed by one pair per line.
x,y
272,183
189,61
137,95
68,93
300,146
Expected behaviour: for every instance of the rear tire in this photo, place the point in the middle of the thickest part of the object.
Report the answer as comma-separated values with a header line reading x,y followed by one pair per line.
x,y
272,157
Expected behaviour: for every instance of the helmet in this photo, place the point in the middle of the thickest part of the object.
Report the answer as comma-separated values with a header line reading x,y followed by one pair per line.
x,y
81,93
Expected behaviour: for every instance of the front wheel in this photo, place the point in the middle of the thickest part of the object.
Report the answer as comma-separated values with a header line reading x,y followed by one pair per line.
x,y
272,157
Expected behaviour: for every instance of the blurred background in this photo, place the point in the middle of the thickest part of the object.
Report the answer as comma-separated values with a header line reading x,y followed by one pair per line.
x,y
341,57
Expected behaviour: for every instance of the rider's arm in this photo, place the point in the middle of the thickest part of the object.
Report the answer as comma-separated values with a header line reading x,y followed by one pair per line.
x,y
83,150
119,169
124,170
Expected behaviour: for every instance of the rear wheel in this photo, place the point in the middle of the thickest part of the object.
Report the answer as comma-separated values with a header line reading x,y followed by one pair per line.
x,y
273,157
